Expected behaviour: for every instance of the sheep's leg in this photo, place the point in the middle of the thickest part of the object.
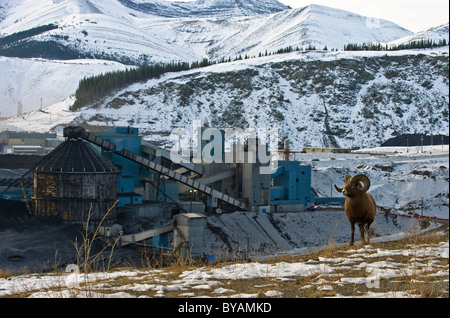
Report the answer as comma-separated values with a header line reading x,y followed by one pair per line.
x,y
367,229
362,230
352,235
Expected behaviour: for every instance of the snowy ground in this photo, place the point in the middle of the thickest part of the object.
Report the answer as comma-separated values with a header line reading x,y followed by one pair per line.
x,y
360,271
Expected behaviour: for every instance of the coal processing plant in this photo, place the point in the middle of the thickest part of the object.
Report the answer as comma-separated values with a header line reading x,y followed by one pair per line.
x,y
114,177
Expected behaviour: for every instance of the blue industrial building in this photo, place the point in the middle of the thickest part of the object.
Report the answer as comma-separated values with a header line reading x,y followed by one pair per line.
x,y
132,174
291,187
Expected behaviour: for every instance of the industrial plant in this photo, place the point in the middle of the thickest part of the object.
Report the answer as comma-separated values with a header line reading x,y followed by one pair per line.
x,y
112,177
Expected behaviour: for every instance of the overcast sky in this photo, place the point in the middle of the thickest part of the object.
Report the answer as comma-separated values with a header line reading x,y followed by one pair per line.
x,y
414,15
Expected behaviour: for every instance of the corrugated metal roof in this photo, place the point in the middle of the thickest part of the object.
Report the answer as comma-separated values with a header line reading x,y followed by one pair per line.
x,y
75,155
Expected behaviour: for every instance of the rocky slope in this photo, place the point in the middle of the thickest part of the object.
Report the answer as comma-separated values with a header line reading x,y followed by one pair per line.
x,y
328,99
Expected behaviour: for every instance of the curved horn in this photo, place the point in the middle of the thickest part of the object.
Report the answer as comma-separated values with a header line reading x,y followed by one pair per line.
x,y
362,178
346,178
338,189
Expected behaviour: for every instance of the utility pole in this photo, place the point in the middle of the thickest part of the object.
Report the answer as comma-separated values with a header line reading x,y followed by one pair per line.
x,y
286,150
19,109
421,141
422,206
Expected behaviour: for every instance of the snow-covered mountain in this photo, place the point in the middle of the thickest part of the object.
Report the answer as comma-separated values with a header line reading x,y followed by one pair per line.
x,y
313,25
434,34
131,32
326,98
38,83
205,8
139,32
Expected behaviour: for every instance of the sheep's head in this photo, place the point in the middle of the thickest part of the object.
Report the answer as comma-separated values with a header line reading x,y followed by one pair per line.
x,y
359,183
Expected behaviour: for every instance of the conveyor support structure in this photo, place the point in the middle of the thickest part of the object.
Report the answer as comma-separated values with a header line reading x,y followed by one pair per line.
x,y
79,132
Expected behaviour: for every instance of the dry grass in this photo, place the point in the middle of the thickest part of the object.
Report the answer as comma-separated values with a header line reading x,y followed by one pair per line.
x,y
5,273
415,282
407,271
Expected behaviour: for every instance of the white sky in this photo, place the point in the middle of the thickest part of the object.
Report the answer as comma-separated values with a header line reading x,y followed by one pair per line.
x,y
414,15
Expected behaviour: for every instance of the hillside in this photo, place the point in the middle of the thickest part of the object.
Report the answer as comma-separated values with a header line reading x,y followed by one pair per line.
x,y
329,99
39,82
316,99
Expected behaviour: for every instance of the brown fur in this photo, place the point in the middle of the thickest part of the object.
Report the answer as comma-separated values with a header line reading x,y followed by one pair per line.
x,y
360,207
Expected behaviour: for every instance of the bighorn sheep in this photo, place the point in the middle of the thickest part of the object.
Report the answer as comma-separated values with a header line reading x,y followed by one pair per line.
x,y
360,206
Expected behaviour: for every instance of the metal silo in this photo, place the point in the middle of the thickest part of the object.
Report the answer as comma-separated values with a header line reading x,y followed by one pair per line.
x,y
73,181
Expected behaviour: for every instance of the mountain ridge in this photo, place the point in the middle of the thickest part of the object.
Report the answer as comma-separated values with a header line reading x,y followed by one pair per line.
x,y
112,31
205,8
